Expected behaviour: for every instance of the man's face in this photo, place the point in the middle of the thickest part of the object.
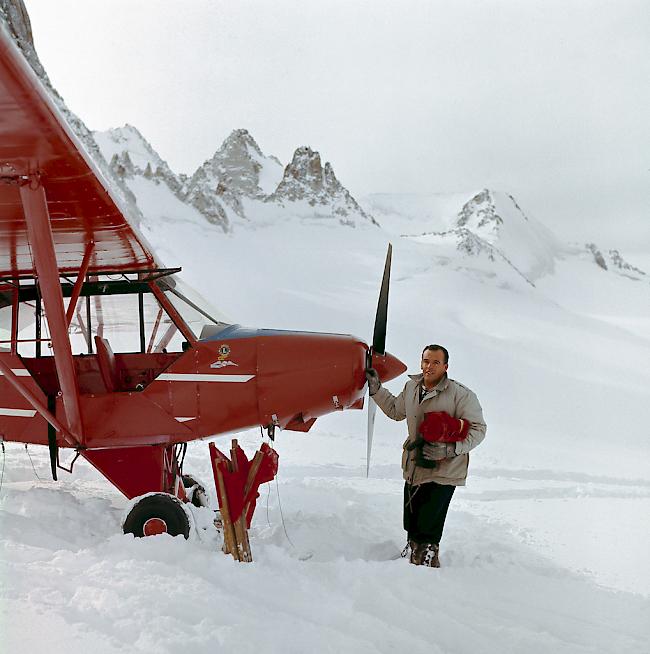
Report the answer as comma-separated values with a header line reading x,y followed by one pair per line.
x,y
433,367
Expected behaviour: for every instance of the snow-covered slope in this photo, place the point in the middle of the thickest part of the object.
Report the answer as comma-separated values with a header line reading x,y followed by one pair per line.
x,y
496,218
487,224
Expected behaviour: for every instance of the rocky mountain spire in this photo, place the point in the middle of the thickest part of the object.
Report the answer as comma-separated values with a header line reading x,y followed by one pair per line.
x,y
238,166
305,179
237,169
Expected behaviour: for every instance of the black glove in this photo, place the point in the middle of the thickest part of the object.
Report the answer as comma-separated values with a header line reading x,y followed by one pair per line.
x,y
374,383
419,459
438,451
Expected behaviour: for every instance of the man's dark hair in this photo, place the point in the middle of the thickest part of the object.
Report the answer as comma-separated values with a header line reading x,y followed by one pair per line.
x,y
437,347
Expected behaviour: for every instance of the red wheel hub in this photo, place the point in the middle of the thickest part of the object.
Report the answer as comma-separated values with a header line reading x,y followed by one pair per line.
x,y
154,526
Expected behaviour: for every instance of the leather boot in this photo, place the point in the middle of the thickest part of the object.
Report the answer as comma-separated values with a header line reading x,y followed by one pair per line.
x,y
429,555
417,552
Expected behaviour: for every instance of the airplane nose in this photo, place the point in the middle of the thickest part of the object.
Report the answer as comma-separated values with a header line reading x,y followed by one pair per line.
x,y
387,366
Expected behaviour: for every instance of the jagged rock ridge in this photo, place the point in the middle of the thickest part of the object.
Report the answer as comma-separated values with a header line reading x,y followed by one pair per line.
x,y
306,179
14,15
614,261
130,154
239,180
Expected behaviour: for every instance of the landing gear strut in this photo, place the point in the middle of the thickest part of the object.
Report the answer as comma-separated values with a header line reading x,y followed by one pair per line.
x,y
195,491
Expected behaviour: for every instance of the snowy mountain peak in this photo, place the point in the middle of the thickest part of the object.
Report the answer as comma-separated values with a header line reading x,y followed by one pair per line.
x,y
303,177
498,220
240,167
239,140
306,180
128,139
129,154
480,215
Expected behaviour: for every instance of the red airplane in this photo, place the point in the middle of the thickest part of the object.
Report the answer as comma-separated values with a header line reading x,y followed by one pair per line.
x,y
76,278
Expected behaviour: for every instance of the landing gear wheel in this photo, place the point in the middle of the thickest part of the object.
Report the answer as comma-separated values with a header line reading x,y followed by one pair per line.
x,y
195,491
158,513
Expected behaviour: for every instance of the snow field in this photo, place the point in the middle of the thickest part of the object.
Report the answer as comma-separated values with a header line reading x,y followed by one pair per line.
x,y
336,586
545,550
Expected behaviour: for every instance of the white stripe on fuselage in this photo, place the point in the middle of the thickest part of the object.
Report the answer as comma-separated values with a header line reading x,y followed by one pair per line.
x,y
190,377
21,413
19,372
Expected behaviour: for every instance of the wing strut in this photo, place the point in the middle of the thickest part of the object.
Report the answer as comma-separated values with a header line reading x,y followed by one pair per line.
x,y
173,314
41,241
76,291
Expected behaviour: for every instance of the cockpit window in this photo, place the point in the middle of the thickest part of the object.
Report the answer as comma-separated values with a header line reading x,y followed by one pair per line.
x,y
119,308
193,308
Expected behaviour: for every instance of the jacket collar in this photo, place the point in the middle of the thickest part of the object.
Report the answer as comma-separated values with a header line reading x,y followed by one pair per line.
x,y
440,386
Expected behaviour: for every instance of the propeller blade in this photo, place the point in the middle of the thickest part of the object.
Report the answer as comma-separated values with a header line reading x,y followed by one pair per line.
x,y
379,335
372,411
378,346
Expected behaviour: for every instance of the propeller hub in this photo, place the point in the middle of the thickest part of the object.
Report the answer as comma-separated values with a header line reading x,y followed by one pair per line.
x,y
387,366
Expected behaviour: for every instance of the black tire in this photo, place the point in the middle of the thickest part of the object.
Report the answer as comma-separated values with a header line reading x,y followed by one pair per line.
x,y
198,497
161,507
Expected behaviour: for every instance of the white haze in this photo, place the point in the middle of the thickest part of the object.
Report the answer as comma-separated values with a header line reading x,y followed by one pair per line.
x,y
547,100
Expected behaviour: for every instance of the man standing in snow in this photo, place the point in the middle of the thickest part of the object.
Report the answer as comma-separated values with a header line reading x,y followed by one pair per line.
x,y
445,421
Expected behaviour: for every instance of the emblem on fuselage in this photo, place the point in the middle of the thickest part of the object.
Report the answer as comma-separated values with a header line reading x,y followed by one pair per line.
x,y
222,364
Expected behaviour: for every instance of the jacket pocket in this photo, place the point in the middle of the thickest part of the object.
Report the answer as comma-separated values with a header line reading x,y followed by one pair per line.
x,y
455,468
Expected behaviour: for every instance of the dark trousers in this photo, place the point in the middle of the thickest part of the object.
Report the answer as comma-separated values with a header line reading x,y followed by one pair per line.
x,y
425,510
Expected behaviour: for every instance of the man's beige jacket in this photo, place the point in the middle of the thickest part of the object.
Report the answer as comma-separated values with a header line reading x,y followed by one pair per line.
x,y
449,396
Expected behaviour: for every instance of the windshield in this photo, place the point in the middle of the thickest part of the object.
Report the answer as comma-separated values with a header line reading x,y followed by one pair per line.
x,y
195,310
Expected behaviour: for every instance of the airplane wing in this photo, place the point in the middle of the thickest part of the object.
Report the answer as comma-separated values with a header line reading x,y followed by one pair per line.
x,y
38,146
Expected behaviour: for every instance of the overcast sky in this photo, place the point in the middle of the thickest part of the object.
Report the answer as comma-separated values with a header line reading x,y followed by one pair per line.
x,y
549,101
